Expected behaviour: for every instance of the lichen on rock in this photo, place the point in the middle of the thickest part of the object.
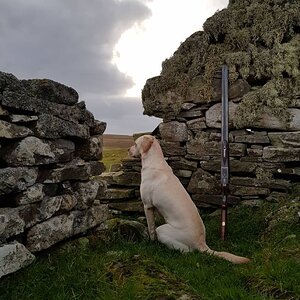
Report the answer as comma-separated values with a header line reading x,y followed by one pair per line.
x,y
260,43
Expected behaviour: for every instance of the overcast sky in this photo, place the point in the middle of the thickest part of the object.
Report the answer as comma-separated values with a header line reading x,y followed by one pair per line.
x,y
105,49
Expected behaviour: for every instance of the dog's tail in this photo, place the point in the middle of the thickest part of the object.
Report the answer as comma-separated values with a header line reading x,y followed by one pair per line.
x,y
226,255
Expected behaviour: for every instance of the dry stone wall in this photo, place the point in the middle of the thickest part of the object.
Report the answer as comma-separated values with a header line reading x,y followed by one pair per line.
x,y
263,162
50,147
263,59
121,188
259,41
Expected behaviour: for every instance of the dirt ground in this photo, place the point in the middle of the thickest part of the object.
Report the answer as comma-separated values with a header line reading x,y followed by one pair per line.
x,y
117,141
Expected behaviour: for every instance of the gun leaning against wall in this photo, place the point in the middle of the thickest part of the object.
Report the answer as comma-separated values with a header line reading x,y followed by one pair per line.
x,y
224,151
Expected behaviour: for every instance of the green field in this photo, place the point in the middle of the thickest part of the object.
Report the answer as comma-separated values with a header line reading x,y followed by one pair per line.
x,y
115,149
124,269
113,156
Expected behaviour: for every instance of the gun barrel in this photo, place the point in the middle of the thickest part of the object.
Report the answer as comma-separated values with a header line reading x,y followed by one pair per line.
x,y
224,150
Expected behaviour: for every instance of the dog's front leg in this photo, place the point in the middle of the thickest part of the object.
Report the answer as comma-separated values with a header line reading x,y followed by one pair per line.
x,y
149,212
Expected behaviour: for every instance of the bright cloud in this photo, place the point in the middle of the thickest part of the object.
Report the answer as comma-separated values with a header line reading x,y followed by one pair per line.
x,y
142,48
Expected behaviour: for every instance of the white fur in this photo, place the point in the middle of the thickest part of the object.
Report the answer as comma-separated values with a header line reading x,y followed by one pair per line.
x,y
161,189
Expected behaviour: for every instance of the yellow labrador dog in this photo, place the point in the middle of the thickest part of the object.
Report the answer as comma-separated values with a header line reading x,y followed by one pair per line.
x,y
161,189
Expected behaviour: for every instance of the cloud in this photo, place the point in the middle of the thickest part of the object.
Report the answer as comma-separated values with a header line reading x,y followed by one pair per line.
x,y
123,115
72,41
69,41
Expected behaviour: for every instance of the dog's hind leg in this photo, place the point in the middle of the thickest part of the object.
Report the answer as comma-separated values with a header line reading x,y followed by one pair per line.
x,y
168,235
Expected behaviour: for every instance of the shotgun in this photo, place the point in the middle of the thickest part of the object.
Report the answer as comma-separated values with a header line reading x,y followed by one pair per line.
x,y
224,151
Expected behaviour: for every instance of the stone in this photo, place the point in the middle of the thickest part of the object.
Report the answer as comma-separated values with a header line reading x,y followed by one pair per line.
x,y
172,148
16,179
3,111
203,182
277,154
7,79
248,191
102,186
193,93
277,184
67,202
49,90
12,131
71,171
287,213
196,124
22,118
32,194
192,113
87,219
115,168
288,171
213,115
201,148
117,194
276,197
285,139
295,103
32,151
253,138
10,223
242,167
49,126
201,199
130,164
85,193
56,229
160,103
173,131
238,89
253,152
38,212
122,178
269,121
178,163
98,128
19,99
128,206
48,233
183,173
128,229
237,149
252,202
13,257
90,149
187,106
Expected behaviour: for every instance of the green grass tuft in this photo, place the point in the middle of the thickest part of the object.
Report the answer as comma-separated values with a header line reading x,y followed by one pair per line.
x,y
148,270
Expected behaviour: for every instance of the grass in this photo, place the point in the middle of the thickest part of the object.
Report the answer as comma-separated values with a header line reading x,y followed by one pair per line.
x,y
122,269
113,156
115,149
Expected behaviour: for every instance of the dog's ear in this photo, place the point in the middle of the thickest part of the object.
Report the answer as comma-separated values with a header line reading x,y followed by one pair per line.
x,y
147,143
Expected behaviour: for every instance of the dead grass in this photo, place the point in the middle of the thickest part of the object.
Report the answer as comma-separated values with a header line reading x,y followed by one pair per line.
x,y
115,141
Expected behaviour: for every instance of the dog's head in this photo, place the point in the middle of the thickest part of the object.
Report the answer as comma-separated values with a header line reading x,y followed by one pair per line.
x,y
141,146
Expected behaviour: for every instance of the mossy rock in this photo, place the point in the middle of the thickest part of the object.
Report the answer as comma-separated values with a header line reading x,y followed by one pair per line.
x,y
260,43
117,228
283,222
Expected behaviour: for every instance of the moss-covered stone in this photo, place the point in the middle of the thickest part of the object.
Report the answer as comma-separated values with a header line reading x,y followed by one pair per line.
x,y
260,43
